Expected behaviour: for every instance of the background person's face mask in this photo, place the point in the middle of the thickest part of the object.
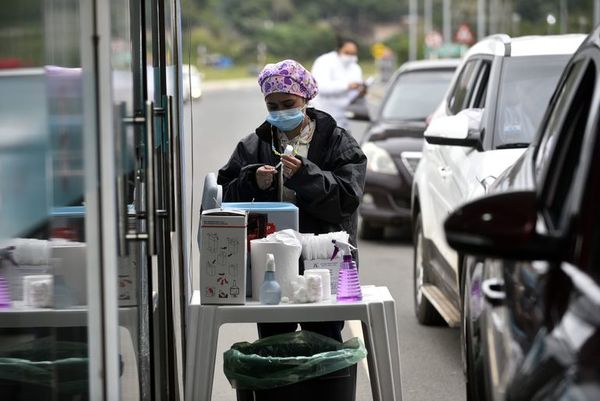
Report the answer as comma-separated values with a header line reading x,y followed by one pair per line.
x,y
348,59
286,120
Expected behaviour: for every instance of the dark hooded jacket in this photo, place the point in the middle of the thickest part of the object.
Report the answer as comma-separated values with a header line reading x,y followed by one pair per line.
x,y
328,187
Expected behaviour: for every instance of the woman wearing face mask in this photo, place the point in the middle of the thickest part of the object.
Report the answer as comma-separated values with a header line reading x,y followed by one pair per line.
x,y
340,80
324,175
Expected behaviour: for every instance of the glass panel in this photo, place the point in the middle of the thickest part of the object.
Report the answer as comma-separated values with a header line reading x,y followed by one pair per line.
x,y
43,314
526,85
416,95
464,84
128,73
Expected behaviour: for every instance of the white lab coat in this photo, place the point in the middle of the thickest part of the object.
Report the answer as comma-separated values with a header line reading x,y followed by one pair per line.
x,y
333,79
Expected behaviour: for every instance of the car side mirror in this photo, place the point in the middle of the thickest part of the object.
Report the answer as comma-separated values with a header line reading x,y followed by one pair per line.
x,y
502,225
461,129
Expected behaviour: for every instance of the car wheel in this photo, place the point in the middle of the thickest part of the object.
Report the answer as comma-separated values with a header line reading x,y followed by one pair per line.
x,y
369,231
470,340
425,312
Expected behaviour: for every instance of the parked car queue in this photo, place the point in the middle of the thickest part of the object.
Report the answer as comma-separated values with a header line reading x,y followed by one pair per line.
x,y
533,291
517,271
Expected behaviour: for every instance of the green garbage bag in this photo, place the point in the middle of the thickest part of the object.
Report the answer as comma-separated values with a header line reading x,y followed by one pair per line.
x,y
62,365
288,358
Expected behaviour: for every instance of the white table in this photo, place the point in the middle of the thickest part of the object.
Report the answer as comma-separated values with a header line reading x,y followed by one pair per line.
x,y
77,316
377,312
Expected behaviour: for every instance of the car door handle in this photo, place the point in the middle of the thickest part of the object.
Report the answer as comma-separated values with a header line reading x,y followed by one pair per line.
x,y
493,291
445,172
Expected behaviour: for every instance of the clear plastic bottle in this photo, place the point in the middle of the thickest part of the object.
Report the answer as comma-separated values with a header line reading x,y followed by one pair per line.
x,y
348,286
270,291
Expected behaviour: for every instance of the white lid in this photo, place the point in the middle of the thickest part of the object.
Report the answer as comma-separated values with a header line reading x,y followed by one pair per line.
x,y
270,262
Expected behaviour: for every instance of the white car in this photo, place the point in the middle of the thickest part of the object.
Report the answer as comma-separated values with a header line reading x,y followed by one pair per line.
x,y
192,82
489,116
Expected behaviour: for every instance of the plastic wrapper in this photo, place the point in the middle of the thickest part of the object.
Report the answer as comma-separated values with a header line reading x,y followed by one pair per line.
x,y
288,358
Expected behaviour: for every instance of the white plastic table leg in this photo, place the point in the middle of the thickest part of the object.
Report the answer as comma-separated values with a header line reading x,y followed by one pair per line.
x,y
381,348
206,325
394,344
371,361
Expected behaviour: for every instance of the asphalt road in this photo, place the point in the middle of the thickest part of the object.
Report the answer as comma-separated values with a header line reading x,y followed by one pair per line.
x,y
430,356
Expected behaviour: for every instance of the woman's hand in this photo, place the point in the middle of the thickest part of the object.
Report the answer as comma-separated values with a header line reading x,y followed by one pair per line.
x,y
264,176
291,165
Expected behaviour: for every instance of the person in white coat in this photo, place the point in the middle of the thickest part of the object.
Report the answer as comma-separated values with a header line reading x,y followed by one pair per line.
x,y
340,80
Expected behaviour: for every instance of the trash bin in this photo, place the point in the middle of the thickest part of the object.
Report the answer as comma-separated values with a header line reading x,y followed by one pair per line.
x,y
294,366
44,369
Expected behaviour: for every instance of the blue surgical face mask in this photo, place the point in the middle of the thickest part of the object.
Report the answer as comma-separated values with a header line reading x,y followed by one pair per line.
x,y
286,120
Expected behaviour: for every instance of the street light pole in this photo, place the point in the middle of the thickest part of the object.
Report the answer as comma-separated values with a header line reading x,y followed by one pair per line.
x,y
493,20
564,16
481,19
412,30
427,16
596,12
447,21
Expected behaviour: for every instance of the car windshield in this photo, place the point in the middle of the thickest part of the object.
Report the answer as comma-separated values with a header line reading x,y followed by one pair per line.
x,y
415,95
526,85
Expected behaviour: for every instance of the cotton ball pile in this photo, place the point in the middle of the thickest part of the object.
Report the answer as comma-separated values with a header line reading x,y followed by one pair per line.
x,y
314,288
306,289
299,295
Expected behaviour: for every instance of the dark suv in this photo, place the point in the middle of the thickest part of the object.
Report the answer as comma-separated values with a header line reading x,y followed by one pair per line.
x,y
531,321
394,140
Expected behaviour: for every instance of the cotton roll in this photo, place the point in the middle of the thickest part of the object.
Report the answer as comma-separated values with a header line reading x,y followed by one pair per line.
x,y
325,281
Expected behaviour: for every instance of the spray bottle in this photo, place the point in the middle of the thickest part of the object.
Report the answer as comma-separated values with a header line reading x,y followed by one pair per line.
x,y
348,286
270,291
6,254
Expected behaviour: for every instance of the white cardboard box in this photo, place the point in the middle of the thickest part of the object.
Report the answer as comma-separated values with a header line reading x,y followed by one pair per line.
x,y
223,256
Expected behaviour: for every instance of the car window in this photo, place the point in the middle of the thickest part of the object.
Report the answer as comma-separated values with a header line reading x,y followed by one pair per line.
x,y
525,87
477,100
589,257
415,95
587,181
564,162
552,127
459,96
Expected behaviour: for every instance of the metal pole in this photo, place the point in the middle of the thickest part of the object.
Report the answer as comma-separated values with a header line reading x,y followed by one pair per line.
x,y
447,21
493,20
596,12
481,19
564,16
412,29
427,16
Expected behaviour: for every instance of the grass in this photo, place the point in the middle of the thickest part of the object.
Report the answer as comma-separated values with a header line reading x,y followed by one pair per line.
x,y
245,71
235,72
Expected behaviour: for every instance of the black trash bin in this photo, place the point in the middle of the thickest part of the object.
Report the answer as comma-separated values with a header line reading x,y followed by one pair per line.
x,y
294,367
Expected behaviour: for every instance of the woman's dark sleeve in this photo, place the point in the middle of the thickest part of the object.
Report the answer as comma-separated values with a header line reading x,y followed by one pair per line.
x,y
238,176
332,195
